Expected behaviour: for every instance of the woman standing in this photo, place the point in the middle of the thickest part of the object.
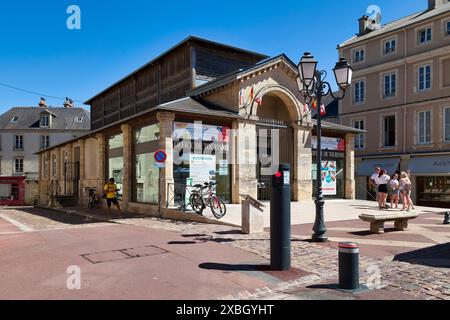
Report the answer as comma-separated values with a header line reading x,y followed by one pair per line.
x,y
405,187
395,190
383,179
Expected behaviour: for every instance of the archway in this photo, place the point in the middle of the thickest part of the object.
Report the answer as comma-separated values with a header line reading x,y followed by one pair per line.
x,y
276,115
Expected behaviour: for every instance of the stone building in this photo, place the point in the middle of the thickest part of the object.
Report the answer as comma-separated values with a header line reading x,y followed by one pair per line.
x,y
401,96
220,113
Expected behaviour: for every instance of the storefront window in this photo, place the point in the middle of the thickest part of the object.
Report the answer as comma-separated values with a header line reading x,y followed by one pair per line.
x,y
146,188
433,191
115,160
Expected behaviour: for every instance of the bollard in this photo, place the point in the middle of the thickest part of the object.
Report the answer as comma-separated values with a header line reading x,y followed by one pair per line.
x,y
447,217
348,266
280,220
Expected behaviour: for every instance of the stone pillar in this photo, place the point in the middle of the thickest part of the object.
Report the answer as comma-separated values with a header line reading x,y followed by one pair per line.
x,y
302,186
244,160
83,194
101,162
350,166
127,180
166,143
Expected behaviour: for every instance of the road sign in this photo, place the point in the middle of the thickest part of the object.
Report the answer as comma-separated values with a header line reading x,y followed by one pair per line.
x,y
160,156
160,164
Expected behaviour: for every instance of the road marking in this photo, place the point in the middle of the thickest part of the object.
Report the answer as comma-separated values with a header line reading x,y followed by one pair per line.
x,y
19,225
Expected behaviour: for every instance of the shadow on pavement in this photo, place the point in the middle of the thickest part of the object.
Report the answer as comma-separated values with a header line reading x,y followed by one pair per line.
x,y
435,256
233,267
58,216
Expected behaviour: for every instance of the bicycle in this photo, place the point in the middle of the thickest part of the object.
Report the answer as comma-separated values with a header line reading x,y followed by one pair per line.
x,y
204,196
93,200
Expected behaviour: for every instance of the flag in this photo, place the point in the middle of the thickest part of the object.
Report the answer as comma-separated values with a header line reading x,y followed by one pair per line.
x,y
305,108
323,111
241,98
314,105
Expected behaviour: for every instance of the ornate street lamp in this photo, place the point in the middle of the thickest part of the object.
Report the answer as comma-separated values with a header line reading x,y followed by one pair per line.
x,y
312,85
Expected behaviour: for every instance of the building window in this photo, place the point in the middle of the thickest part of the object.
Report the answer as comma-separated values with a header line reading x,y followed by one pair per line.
x,y
424,35
425,78
359,138
425,127
18,165
45,121
447,124
146,185
79,119
54,164
390,46
447,29
115,160
359,56
18,142
45,142
390,84
389,131
14,119
45,166
359,92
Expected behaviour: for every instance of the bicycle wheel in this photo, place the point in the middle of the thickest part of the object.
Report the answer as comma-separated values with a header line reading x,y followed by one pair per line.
x,y
218,207
196,202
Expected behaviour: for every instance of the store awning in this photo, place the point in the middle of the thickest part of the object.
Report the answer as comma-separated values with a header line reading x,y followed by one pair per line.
x,y
430,165
367,167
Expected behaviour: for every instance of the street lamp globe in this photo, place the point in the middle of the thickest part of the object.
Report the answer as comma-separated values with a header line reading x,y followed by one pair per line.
x,y
343,73
307,69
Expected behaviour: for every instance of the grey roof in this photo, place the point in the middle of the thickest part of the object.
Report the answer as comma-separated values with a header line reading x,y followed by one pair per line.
x,y
399,24
337,127
226,79
29,117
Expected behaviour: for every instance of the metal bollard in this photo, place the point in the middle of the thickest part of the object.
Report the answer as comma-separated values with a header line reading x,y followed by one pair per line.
x,y
447,217
348,266
280,220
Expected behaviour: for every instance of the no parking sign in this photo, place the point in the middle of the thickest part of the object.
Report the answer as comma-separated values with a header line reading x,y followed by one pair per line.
x,y
160,158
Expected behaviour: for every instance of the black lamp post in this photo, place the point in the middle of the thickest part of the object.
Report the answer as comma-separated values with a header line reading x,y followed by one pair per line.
x,y
312,85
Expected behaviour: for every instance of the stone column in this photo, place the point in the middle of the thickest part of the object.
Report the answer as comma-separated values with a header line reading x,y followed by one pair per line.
x,y
101,162
127,180
244,160
83,194
302,187
166,143
350,166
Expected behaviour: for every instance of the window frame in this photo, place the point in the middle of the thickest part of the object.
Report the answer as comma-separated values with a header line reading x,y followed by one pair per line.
x,y
47,124
419,35
21,164
385,42
392,89
360,138
46,140
353,53
424,67
21,146
385,137
445,124
362,98
424,122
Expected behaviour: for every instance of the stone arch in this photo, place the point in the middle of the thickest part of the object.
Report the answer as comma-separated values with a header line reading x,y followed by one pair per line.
x,y
291,103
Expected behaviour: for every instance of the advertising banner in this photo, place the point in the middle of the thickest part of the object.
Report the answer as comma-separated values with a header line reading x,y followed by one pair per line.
x,y
335,144
329,178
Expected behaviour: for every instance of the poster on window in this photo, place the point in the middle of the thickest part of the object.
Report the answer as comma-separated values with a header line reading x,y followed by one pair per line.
x,y
329,178
194,131
202,168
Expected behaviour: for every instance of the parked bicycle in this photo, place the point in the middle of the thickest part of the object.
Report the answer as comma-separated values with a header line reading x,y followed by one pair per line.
x,y
204,196
93,200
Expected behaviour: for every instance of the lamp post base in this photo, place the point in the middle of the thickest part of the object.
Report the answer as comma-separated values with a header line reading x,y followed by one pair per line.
x,y
319,238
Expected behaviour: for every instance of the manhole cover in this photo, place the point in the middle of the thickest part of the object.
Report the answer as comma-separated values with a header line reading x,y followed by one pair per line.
x,y
123,254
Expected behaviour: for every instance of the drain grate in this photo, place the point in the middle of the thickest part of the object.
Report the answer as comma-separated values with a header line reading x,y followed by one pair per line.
x,y
123,254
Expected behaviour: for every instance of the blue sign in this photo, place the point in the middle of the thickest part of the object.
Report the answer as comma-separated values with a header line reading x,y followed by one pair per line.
x,y
160,156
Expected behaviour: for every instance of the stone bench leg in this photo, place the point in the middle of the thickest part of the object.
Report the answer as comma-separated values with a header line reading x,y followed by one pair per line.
x,y
377,227
401,225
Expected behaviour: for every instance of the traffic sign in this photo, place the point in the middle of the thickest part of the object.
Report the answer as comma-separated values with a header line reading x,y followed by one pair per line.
x,y
160,156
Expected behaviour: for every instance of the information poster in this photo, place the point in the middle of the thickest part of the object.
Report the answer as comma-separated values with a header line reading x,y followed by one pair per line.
x,y
329,178
202,168
334,144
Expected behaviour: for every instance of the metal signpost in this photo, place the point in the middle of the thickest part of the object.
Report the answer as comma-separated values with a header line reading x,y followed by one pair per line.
x,y
160,162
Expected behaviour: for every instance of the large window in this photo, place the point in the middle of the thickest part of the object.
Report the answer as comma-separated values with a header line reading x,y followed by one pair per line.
x,y
425,127
146,188
359,139
447,124
18,142
389,131
424,35
359,56
359,92
115,160
424,78
45,142
18,165
390,85
390,46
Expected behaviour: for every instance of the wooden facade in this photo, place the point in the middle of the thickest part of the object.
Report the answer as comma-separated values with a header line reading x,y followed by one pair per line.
x,y
168,78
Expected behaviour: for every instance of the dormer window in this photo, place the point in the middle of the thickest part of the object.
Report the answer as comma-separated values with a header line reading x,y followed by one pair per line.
x,y
14,119
79,119
45,121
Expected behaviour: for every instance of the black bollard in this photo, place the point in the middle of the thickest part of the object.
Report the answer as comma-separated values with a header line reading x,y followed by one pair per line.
x,y
280,220
447,217
348,266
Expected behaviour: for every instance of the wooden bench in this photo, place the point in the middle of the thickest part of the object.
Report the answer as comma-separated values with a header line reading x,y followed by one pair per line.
x,y
377,220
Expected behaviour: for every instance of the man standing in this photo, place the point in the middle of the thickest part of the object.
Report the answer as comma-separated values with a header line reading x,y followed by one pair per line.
x,y
375,182
110,192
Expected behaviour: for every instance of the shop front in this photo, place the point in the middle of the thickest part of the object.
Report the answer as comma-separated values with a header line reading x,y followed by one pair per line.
x,y
432,179
12,191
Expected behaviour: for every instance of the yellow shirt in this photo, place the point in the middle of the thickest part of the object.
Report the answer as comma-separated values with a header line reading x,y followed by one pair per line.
x,y
110,189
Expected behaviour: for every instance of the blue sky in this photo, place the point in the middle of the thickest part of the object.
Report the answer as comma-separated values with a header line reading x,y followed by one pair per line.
x,y
39,53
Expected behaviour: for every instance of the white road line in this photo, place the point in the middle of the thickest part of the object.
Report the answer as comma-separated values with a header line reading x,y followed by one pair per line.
x,y
19,225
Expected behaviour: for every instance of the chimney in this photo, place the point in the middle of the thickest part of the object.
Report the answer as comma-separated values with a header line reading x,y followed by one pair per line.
x,y
433,4
68,103
364,23
42,103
